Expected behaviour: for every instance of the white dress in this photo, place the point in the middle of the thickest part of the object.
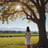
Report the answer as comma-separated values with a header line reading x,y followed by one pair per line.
x,y
27,41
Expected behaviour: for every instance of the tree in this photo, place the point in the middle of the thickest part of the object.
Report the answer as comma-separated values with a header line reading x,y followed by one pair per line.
x,y
34,10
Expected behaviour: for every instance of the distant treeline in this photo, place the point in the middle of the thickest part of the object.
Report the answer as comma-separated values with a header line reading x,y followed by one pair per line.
x,y
11,32
17,32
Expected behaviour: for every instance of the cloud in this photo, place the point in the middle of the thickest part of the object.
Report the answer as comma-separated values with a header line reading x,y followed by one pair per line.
x,y
46,28
11,26
24,27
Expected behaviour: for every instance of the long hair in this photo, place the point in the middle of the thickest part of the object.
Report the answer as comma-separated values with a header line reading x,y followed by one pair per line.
x,y
27,30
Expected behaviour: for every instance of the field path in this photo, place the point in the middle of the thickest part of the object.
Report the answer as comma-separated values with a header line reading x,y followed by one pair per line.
x,y
20,45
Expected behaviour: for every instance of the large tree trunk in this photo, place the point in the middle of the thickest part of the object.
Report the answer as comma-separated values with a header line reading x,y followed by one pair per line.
x,y
42,28
42,34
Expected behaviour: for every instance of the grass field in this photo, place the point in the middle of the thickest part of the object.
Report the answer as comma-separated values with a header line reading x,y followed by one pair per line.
x,y
16,35
5,42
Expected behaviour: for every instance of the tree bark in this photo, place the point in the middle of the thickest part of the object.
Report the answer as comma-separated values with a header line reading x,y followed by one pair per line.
x,y
42,34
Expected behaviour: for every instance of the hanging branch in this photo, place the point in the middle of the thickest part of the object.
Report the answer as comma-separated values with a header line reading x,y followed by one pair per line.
x,y
31,11
32,19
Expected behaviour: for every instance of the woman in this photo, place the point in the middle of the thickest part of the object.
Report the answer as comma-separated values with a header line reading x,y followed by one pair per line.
x,y
27,37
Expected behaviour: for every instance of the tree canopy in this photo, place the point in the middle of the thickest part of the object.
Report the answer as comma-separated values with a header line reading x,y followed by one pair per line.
x,y
33,10
13,9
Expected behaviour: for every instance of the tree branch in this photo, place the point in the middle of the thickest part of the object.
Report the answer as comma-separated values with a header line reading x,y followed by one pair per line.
x,y
45,2
37,6
33,2
31,11
5,1
11,13
11,1
32,19
37,2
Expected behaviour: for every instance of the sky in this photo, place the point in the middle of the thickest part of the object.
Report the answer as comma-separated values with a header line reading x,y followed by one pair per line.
x,y
22,24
